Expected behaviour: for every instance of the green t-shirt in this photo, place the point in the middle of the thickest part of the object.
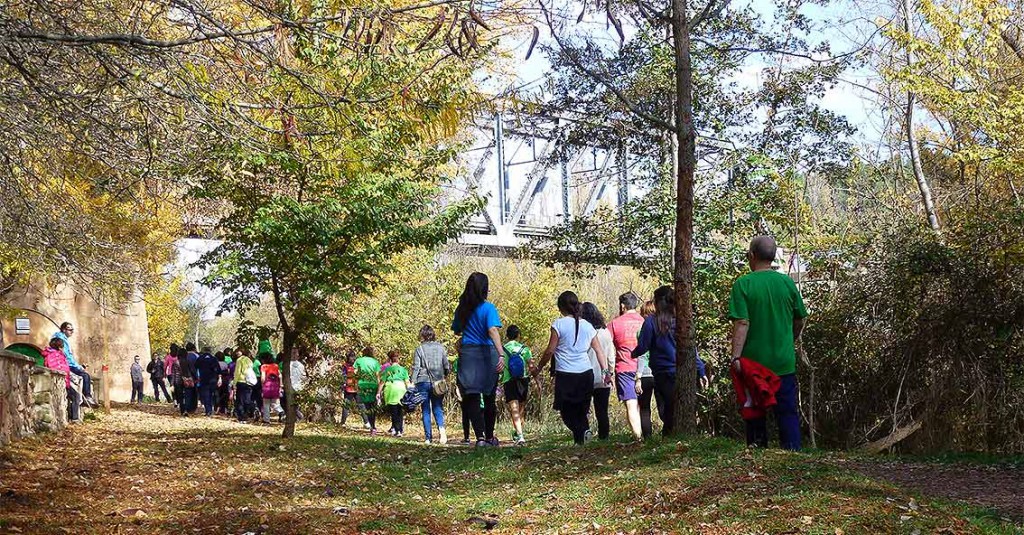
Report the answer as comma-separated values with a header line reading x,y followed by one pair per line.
x,y
770,301
513,348
366,370
395,372
394,378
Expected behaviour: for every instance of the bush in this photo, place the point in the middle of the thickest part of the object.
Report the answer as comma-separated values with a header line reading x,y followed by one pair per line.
x,y
925,328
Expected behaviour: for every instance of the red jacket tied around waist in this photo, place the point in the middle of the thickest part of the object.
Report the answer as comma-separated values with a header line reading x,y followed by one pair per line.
x,y
755,387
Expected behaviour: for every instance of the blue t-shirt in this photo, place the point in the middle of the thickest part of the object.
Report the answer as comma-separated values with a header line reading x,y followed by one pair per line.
x,y
483,318
571,355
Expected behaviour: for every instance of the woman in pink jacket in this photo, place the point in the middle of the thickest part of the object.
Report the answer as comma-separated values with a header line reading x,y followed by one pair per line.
x,y
54,359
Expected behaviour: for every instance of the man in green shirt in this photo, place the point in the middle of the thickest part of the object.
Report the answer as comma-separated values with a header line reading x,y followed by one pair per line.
x,y
515,379
768,316
367,369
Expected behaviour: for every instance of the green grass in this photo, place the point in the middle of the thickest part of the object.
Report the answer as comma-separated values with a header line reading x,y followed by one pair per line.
x,y
334,481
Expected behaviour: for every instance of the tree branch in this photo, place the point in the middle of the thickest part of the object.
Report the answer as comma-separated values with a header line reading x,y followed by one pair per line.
x,y
570,54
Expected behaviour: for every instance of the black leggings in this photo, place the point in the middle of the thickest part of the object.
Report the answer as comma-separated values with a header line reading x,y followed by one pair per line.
x,y
601,398
665,393
397,417
574,416
482,419
644,400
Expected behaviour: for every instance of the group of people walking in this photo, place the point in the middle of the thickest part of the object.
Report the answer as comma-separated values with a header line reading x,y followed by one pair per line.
x,y
635,354
252,387
587,356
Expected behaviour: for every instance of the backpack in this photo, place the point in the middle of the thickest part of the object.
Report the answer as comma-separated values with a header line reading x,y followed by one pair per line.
x,y
272,386
517,364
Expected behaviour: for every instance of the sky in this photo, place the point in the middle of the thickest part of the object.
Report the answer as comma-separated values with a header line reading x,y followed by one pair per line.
x,y
842,23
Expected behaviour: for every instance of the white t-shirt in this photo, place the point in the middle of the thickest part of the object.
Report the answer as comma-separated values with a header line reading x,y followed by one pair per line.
x,y
298,375
608,348
571,354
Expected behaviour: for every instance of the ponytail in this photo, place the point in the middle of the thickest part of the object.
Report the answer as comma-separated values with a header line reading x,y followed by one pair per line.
x,y
569,305
576,312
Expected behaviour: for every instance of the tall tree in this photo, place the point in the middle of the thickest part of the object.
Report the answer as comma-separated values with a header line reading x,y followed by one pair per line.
x,y
908,123
320,198
650,95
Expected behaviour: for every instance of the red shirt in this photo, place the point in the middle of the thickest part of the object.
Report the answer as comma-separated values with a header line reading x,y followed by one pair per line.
x,y
624,330
351,379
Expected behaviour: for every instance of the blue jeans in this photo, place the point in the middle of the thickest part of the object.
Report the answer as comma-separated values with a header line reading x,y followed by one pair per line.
x,y
206,396
189,401
787,417
86,381
432,404
243,401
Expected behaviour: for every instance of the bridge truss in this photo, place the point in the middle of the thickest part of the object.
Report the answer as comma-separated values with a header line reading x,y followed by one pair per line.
x,y
531,184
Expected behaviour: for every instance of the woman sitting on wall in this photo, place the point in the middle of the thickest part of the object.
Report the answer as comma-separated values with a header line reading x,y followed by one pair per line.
x,y
54,359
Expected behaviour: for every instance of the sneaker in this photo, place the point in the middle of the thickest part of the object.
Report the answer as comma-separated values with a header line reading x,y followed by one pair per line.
x,y
427,442
373,432
366,425
519,440
483,444
588,435
466,441
399,434
494,442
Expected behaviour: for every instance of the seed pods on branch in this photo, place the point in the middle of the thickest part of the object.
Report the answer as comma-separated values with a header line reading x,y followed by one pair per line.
x,y
533,42
433,30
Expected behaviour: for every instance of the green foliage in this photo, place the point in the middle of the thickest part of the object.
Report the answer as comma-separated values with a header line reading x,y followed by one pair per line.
x,y
168,314
424,289
320,199
929,330
755,199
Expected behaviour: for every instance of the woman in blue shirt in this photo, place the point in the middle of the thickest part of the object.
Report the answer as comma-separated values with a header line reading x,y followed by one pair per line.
x,y
570,342
481,356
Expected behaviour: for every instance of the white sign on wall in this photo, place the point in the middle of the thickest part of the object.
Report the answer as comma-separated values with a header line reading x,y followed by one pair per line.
x,y
22,326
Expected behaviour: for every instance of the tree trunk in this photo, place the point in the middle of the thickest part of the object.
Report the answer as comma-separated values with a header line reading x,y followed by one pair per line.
x,y
915,155
686,368
290,335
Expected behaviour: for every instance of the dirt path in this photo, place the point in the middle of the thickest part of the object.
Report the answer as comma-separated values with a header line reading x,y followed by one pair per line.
x,y
989,486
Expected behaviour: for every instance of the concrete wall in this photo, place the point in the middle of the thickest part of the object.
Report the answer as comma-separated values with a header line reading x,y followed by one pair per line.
x,y
102,336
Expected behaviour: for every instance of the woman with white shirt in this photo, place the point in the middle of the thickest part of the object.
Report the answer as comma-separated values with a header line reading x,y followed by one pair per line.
x,y
571,339
602,390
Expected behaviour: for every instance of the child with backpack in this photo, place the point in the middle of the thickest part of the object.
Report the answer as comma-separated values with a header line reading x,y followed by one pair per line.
x,y
270,389
516,380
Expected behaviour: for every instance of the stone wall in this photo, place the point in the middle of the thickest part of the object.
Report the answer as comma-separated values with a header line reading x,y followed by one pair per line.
x,y
49,400
102,336
16,420
32,399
